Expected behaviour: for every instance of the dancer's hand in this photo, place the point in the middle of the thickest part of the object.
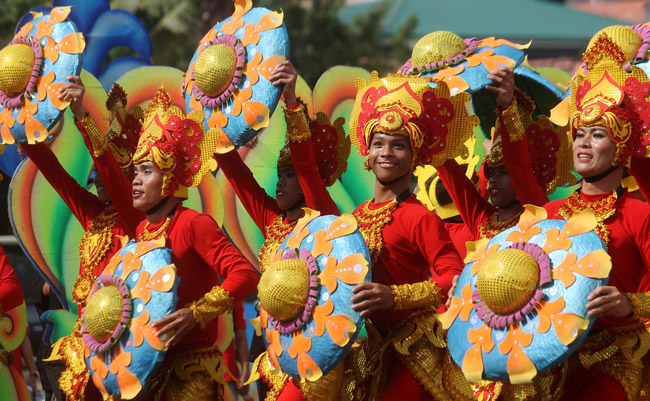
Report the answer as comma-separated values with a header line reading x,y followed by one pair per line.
x,y
608,301
74,92
370,297
454,283
175,326
286,74
504,86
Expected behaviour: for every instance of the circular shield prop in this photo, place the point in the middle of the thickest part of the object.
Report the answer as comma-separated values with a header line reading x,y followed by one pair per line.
x,y
121,348
33,67
227,78
464,65
520,304
304,295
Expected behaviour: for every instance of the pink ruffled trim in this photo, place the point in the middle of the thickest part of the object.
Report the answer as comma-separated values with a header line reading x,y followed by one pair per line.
x,y
240,53
91,342
471,45
11,102
312,300
498,321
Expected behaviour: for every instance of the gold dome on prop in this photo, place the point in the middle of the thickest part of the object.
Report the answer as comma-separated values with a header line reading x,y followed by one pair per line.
x,y
215,68
283,289
436,46
16,63
507,280
103,312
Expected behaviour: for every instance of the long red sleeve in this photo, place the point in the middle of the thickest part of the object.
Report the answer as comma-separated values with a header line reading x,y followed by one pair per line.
x,y
11,292
83,204
116,183
472,207
260,206
520,169
304,162
223,257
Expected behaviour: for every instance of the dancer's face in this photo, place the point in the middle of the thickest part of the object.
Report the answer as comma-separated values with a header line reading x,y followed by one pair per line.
x,y
288,192
147,186
500,188
593,151
390,156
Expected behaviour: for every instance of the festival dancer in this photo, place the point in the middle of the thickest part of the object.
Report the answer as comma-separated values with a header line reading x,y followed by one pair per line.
x,y
399,122
97,216
508,189
609,120
193,367
296,188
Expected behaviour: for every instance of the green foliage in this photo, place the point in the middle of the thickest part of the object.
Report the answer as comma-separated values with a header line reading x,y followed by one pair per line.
x,y
12,11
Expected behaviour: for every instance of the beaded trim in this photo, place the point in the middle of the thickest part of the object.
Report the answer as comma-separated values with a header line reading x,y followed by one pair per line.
x,y
640,304
147,235
297,123
492,226
471,46
275,233
211,305
370,224
92,249
424,294
602,209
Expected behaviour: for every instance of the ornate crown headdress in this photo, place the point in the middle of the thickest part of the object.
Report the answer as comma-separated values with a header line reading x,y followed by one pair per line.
x,y
176,144
124,127
421,109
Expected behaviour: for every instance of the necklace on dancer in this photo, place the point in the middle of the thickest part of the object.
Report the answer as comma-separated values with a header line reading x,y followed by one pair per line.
x,y
603,209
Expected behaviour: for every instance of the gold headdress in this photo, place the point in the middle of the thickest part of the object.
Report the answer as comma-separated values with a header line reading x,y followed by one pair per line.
x,y
176,144
435,123
125,126
331,145
617,99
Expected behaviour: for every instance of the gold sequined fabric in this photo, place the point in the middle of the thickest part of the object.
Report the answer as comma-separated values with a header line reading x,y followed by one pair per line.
x,y
417,295
97,140
325,388
75,377
492,226
16,64
640,304
275,233
619,352
194,375
546,386
297,123
211,305
603,209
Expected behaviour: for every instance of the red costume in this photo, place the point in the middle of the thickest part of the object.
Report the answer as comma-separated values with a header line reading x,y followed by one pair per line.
x,y
407,242
101,223
305,139
201,252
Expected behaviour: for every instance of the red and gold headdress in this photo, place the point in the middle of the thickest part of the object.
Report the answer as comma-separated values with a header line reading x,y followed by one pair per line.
x,y
176,144
331,147
617,99
624,45
436,123
549,147
124,128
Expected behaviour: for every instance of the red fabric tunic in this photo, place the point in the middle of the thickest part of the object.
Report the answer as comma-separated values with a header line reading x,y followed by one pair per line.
x,y
84,205
416,245
640,169
203,255
459,234
628,246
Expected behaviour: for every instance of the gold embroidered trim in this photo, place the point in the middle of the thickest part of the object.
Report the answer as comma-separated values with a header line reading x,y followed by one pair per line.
x,y
273,376
603,210
417,295
147,235
370,224
492,226
92,249
97,140
211,305
276,232
512,119
297,123
640,304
